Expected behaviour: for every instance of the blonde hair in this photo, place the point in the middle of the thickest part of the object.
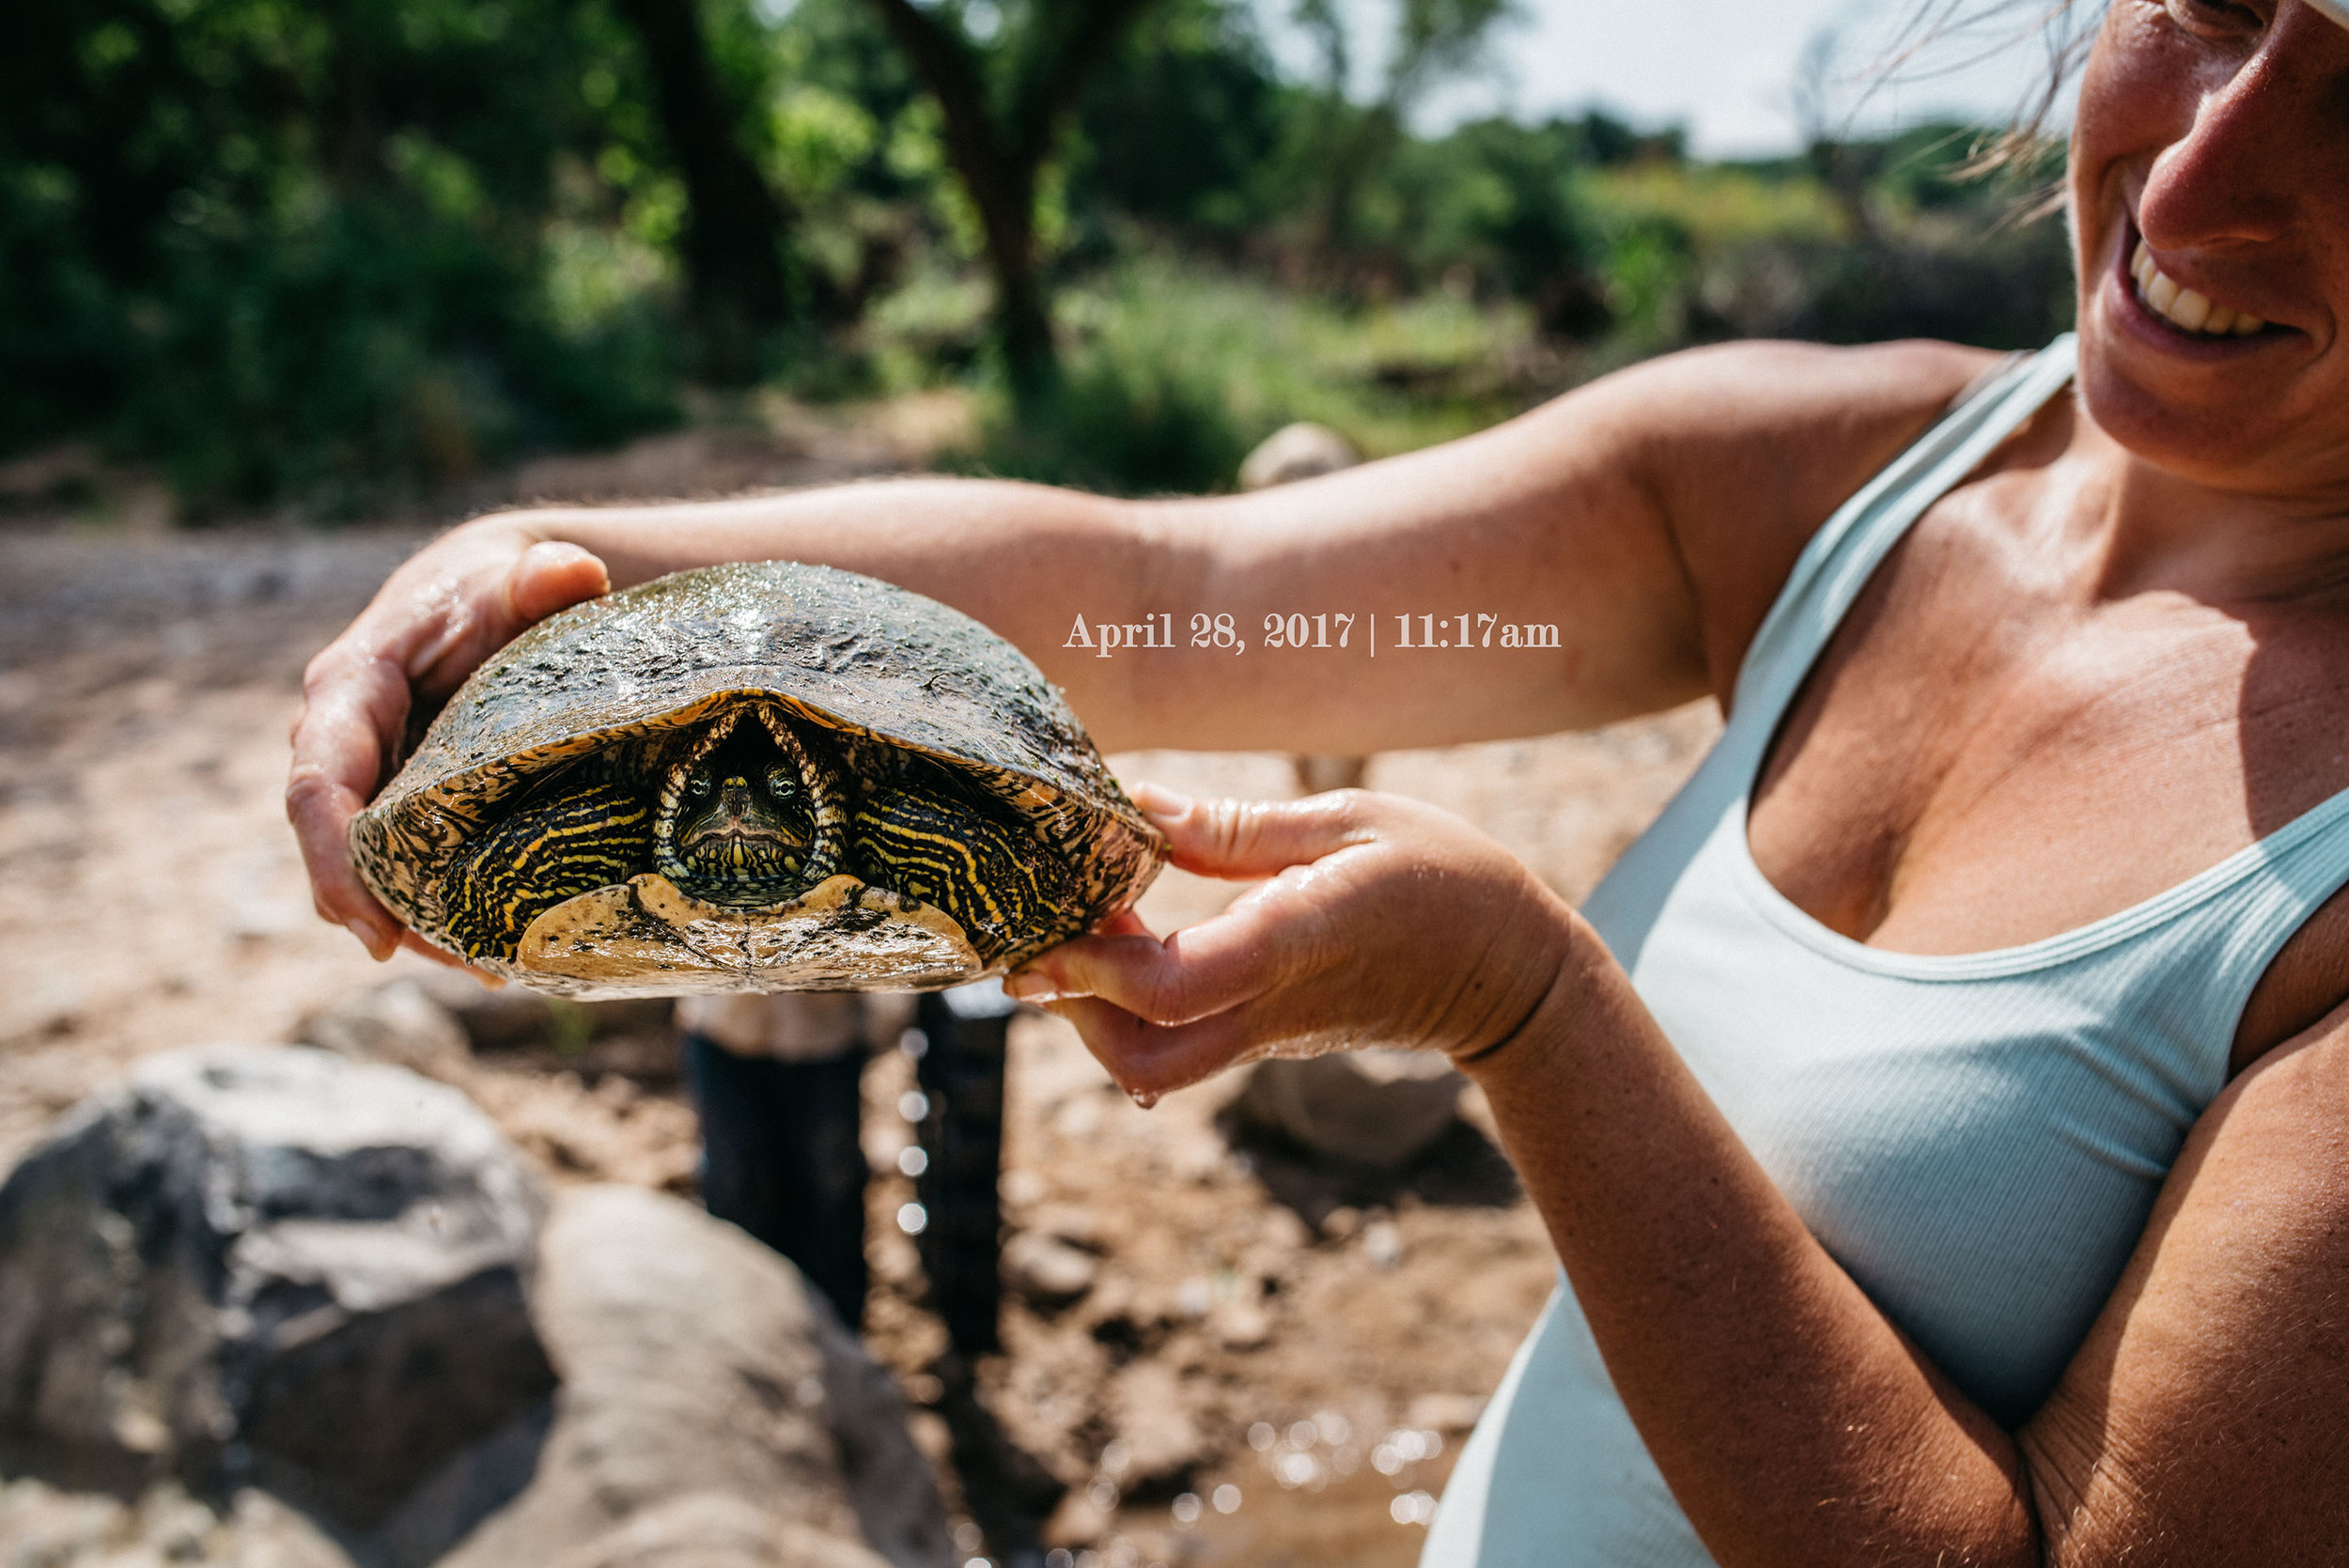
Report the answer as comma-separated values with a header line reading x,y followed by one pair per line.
x,y
1960,33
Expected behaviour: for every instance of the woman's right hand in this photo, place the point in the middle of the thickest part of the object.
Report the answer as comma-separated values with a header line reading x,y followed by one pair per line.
x,y
433,622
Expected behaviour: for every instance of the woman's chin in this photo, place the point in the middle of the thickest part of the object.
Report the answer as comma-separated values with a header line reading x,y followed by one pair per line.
x,y
2217,411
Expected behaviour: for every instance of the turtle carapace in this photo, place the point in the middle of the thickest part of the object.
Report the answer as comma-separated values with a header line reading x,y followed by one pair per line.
x,y
764,777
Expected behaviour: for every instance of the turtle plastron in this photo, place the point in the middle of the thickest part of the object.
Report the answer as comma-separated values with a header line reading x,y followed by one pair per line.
x,y
842,934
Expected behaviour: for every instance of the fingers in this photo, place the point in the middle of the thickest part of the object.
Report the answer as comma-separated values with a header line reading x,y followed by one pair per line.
x,y
425,632
442,624
1243,839
320,810
551,576
1194,973
1147,1060
1273,936
353,704
1126,922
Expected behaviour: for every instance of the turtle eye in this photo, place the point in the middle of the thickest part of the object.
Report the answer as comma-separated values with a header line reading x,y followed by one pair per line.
x,y
781,783
698,785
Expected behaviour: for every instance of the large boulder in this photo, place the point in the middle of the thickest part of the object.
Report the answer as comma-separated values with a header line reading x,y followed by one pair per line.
x,y
296,1306
713,1411
270,1265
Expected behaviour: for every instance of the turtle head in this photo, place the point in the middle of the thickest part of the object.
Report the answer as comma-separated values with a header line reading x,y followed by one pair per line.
x,y
743,799
748,817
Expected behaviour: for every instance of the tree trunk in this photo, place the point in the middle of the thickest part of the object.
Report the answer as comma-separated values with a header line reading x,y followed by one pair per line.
x,y
734,225
999,158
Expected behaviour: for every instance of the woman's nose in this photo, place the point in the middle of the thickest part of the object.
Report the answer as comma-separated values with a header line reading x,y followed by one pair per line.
x,y
2262,140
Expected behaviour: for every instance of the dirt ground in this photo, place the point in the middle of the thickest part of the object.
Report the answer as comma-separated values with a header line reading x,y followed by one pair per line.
x,y
1275,1362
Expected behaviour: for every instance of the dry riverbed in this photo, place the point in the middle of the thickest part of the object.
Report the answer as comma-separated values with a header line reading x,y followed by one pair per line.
x,y
1271,1362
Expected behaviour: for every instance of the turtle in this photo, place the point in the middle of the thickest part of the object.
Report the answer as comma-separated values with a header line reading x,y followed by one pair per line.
x,y
757,777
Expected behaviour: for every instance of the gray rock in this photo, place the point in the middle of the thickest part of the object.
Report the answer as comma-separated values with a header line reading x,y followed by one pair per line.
x,y
1239,1325
1046,1270
1158,1441
1380,1109
503,1018
398,1023
514,1017
712,1413
713,1529
1300,451
42,1527
271,1264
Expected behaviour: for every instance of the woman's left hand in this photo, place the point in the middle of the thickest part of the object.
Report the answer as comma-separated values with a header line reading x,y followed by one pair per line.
x,y
1385,923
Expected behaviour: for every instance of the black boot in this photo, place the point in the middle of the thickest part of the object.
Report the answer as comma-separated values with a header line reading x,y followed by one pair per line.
x,y
961,1071
782,1159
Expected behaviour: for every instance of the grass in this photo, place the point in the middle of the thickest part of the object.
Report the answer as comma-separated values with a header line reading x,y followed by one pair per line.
x,y
1172,373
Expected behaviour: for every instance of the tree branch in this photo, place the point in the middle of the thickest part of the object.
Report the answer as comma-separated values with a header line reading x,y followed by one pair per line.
x,y
944,60
1047,89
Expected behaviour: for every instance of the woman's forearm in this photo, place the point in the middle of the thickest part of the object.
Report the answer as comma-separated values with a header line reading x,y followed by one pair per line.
x,y
1528,556
1796,1426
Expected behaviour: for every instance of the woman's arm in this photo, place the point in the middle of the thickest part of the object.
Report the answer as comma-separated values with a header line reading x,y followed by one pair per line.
x,y
2205,1421
1648,517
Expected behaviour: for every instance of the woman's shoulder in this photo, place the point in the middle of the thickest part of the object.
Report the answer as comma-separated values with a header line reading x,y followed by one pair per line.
x,y
1751,447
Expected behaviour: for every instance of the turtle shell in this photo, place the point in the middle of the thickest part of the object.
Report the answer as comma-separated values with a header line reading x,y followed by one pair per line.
x,y
887,678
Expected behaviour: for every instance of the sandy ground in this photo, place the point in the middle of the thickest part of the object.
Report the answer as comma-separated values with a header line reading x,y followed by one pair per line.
x,y
1271,1354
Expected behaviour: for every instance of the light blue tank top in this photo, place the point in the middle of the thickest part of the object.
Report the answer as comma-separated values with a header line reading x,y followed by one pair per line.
x,y
1977,1138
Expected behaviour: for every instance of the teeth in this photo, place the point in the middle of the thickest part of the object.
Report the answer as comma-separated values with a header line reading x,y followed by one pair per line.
x,y
2184,307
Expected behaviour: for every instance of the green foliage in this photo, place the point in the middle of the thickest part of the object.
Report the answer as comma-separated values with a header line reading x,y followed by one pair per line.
x,y
1889,242
1179,131
1178,370
335,255
289,250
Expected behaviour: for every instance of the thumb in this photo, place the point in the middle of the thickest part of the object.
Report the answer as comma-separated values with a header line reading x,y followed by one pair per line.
x,y
1241,840
550,576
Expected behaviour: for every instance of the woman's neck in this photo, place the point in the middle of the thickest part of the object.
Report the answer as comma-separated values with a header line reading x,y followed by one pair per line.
x,y
2144,528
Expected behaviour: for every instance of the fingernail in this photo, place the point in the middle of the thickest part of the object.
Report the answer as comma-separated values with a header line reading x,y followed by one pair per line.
x,y
368,937
1027,985
1160,803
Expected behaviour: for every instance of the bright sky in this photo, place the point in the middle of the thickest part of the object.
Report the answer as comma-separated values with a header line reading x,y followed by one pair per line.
x,y
1726,69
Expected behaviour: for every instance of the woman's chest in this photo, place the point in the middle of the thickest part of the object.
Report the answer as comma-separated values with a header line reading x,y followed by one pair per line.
x,y
1985,756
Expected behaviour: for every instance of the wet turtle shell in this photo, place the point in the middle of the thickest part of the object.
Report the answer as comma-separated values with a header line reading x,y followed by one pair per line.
x,y
754,778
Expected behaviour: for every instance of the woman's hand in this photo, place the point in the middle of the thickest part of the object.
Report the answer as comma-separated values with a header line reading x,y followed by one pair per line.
x,y
1385,923
435,620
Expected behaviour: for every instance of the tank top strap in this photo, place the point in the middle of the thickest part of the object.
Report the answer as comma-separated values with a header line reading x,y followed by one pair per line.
x,y
1836,565
2214,954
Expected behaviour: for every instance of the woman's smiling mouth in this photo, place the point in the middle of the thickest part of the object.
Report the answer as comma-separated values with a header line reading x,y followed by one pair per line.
x,y
2184,308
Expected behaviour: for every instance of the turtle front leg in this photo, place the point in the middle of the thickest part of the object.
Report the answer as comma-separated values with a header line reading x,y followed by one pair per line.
x,y
938,845
550,849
